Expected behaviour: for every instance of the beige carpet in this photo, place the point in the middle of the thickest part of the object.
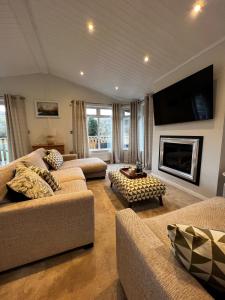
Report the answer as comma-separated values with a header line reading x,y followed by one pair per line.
x,y
85,274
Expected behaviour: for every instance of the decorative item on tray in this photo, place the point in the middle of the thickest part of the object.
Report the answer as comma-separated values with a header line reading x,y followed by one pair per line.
x,y
132,173
139,168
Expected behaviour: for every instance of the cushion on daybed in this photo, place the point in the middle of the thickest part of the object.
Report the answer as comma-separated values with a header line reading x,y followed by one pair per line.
x,y
88,165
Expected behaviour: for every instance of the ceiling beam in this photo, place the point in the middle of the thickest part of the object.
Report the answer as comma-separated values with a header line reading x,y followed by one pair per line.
x,y
25,20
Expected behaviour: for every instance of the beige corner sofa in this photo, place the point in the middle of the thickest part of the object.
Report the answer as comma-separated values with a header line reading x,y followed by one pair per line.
x,y
146,266
35,229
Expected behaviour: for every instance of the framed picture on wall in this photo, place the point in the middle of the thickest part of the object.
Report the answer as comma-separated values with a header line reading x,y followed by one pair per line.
x,y
47,109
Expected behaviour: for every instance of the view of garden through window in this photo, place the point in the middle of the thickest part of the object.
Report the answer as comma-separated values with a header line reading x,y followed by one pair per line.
x,y
99,121
3,136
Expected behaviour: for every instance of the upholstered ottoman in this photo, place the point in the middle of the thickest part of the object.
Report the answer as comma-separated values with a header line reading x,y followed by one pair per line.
x,y
136,190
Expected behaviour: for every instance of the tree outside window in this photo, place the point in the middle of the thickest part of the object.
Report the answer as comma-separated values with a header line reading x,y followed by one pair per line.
x,y
99,122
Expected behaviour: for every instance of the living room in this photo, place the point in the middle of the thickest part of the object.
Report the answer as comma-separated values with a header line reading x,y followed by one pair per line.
x,y
86,104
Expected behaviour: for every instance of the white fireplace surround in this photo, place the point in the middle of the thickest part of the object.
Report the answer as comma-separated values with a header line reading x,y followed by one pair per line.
x,y
195,143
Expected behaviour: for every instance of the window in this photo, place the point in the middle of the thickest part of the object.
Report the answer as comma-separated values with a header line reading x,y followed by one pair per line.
x,y
4,157
141,127
125,128
99,122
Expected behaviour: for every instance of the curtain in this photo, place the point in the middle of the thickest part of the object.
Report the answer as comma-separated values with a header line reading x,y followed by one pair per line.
x,y
148,131
133,134
17,130
116,133
80,137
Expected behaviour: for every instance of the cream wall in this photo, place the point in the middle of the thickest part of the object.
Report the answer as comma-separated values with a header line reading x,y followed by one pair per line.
x,y
212,130
47,87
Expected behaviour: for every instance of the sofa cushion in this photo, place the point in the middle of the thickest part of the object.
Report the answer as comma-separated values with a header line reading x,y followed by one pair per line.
x,y
29,184
201,252
88,165
54,159
72,186
47,176
35,159
63,175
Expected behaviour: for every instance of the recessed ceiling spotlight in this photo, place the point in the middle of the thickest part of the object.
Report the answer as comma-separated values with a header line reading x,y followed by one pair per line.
x,y
197,7
146,59
116,88
81,73
90,27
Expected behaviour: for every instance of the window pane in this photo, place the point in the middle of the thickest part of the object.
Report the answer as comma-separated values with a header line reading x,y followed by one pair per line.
x,y
91,111
105,112
2,108
126,126
93,133
126,113
105,133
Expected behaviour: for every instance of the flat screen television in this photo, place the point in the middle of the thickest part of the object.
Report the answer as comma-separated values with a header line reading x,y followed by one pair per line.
x,y
190,99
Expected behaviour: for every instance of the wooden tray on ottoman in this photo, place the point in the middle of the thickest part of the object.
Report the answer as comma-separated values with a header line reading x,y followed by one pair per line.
x,y
125,171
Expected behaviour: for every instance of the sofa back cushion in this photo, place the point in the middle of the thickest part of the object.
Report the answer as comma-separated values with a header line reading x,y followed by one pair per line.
x,y
8,172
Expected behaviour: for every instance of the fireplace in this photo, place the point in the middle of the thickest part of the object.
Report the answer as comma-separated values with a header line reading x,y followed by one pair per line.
x,y
180,156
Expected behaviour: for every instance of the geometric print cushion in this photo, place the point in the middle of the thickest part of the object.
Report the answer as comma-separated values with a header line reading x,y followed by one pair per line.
x,y
47,176
30,184
54,159
201,252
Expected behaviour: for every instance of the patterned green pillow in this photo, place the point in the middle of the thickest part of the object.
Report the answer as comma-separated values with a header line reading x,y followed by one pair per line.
x,y
47,176
54,159
29,184
201,252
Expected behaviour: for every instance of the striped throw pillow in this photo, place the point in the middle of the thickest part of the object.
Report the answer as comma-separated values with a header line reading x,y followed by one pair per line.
x,y
47,176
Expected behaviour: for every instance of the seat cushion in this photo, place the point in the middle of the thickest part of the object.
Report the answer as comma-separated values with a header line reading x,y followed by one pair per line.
x,y
64,175
72,186
88,165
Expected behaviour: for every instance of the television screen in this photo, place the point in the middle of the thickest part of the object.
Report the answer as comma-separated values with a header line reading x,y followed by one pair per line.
x,y
190,99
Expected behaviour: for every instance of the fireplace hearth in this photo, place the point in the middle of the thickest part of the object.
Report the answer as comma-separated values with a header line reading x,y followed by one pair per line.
x,y
180,156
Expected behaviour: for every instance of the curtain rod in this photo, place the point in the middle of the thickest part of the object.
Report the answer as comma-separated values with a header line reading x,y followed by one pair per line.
x,y
104,104
2,96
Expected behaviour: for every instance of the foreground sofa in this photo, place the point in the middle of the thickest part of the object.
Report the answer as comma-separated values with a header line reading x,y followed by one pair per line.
x,y
35,229
146,266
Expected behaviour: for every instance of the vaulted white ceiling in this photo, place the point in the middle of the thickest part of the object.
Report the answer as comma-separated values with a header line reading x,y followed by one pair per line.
x,y
50,36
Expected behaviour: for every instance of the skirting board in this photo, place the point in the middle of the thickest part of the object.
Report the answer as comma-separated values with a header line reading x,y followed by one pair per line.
x,y
180,187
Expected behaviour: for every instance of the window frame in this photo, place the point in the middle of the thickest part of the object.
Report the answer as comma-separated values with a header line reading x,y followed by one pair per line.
x,y
99,116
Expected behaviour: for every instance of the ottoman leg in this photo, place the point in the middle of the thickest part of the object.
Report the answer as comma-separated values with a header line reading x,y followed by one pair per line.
x,y
160,201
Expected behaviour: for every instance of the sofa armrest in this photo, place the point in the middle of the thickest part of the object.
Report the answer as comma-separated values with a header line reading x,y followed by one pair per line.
x,y
67,157
144,264
39,228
